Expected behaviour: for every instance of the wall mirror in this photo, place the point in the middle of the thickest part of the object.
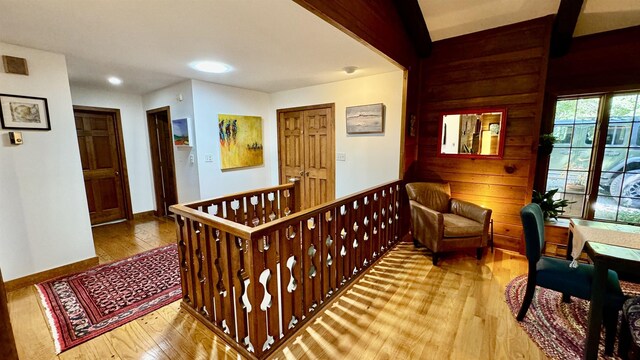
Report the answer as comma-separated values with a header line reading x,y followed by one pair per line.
x,y
474,133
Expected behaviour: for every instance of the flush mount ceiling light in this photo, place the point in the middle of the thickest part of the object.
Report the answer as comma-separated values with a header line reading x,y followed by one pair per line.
x,y
350,69
210,67
114,80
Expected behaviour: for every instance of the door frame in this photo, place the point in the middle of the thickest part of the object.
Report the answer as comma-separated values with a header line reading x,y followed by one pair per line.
x,y
157,186
332,106
122,157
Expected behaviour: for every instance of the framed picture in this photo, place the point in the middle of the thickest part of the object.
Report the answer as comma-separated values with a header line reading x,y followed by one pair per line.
x,y
365,119
240,141
494,129
181,132
24,112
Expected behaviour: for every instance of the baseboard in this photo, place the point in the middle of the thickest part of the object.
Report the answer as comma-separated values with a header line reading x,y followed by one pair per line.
x,y
51,273
143,214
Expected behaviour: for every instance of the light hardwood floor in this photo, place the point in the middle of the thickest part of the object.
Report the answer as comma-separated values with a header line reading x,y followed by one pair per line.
x,y
403,308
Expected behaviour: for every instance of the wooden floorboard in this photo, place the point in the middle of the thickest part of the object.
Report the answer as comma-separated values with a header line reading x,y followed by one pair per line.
x,y
402,308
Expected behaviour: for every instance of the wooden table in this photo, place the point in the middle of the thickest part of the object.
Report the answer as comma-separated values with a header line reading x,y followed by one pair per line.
x,y
604,256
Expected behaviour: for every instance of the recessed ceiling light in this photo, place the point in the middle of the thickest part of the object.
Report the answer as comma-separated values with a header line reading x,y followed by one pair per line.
x,y
350,69
211,67
114,80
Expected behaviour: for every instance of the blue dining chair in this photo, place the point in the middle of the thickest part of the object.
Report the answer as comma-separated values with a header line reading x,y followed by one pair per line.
x,y
556,274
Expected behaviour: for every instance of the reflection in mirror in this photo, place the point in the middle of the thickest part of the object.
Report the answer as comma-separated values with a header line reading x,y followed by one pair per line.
x,y
473,133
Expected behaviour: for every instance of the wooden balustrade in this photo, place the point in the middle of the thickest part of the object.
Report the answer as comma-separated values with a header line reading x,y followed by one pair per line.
x,y
255,273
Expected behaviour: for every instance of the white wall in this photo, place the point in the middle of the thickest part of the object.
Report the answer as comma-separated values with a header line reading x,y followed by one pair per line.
x,y
136,139
186,172
452,123
44,219
213,99
371,159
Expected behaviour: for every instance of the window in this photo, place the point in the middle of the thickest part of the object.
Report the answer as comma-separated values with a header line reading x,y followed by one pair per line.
x,y
573,165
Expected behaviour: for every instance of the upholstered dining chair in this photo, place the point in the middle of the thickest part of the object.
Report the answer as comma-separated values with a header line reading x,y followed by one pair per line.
x,y
444,224
556,274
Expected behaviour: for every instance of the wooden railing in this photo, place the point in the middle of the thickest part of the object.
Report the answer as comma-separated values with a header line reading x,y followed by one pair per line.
x,y
257,271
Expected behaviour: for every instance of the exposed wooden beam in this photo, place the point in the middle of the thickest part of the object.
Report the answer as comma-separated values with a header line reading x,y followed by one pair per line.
x,y
415,26
564,25
375,23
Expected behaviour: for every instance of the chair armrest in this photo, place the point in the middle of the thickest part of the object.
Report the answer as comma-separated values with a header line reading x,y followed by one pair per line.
x,y
427,225
470,211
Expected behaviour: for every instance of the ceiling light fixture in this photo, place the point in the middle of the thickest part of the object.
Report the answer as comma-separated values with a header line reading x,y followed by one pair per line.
x,y
211,67
114,80
350,69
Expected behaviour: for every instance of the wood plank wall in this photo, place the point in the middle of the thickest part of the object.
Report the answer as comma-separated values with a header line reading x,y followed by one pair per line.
x,y
600,62
503,67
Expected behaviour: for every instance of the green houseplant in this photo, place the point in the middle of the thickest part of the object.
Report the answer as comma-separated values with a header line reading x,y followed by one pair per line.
x,y
546,144
550,208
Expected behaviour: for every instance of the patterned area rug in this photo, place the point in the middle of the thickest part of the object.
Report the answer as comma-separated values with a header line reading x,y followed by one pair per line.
x,y
559,329
82,306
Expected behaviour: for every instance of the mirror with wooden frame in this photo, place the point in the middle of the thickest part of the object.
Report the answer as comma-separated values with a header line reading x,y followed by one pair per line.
x,y
473,133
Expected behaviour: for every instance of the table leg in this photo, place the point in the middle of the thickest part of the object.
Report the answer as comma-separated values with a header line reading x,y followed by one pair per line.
x,y
598,289
566,298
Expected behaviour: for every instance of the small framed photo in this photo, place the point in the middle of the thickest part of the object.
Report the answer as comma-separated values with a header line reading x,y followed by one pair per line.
x,y
24,112
494,129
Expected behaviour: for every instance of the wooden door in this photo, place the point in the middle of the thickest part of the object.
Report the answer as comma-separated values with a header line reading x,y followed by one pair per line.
x,y
160,139
319,182
306,150
290,129
103,164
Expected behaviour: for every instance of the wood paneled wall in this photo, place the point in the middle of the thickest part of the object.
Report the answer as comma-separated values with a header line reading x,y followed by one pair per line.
x,y
503,67
600,62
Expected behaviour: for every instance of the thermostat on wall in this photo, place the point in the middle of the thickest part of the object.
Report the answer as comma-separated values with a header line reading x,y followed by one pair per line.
x,y
15,137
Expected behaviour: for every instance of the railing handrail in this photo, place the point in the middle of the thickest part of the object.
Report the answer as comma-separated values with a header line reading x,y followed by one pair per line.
x,y
264,229
253,233
196,204
218,222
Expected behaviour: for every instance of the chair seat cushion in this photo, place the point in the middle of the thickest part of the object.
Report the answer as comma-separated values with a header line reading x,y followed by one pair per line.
x,y
556,274
458,226
631,310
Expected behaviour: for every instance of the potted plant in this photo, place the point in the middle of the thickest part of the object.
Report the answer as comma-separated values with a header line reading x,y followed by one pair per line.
x,y
550,207
546,144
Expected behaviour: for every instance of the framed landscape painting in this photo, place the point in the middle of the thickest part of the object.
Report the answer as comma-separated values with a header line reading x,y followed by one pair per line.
x,y
24,112
240,141
181,133
365,119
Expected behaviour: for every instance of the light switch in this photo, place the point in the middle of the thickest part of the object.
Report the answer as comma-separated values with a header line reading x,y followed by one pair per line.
x,y
340,156
192,158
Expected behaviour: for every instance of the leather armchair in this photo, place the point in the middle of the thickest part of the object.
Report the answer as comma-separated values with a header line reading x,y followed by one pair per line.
x,y
444,224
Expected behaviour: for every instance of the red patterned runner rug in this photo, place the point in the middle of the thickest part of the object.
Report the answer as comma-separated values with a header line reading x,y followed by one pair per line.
x,y
558,328
81,306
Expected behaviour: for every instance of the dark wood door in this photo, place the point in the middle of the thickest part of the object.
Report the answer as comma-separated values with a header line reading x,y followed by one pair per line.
x,y
101,165
160,136
306,150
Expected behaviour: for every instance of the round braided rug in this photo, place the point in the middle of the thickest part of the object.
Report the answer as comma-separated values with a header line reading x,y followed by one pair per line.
x,y
559,329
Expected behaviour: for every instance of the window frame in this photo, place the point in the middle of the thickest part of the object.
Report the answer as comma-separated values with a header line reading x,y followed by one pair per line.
x,y
598,149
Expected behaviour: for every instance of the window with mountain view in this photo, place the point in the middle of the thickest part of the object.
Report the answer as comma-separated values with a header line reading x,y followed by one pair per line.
x,y
607,171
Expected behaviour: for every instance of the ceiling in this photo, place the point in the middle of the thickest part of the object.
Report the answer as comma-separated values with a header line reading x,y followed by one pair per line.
x,y
451,18
272,45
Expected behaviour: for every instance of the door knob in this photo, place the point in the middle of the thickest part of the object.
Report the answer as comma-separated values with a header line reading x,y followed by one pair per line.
x,y
301,173
307,173
117,173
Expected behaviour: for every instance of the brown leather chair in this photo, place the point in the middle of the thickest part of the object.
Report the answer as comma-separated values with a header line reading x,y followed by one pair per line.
x,y
444,224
